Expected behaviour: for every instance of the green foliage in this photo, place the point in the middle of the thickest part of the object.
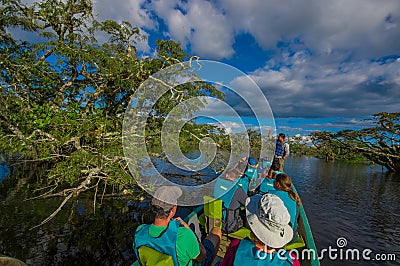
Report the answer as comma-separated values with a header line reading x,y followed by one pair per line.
x,y
379,144
329,148
299,147
62,99
171,49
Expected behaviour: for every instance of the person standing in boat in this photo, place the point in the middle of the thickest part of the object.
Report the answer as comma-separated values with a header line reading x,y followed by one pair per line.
x,y
281,151
233,197
268,219
170,241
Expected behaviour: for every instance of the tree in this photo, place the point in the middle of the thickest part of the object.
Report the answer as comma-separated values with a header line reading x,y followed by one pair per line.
x,y
301,147
379,144
63,98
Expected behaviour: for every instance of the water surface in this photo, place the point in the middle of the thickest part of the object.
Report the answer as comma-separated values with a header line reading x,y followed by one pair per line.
x,y
357,202
360,203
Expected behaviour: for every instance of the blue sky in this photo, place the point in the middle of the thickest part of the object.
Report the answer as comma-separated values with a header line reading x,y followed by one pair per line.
x,y
313,59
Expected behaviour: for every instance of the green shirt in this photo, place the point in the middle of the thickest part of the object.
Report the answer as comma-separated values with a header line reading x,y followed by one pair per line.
x,y
187,246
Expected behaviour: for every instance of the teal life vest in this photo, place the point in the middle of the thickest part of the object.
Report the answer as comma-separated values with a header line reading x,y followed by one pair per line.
x,y
290,205
225,190
165,243
251,173
248,254
265,164
244,183
267,185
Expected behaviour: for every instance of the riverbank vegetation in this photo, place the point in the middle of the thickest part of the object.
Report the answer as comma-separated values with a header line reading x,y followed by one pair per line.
x,y
379,144
64,94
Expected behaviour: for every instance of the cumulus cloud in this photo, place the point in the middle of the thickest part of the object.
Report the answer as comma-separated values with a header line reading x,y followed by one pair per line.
x,y
313,87
322,57
229,126
121,10
132,11
364,27
199,24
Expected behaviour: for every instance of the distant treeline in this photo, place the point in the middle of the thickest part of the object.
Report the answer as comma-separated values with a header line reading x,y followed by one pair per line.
x,y
379,144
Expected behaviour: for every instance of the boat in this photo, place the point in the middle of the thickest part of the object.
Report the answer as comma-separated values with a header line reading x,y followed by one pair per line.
x,y
304,246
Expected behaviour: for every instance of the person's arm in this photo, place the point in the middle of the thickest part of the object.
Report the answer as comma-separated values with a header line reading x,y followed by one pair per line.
x,y
182,222
287,151
202,256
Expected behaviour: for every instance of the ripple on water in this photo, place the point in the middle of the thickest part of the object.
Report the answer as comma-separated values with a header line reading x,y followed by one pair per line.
x,y
357,202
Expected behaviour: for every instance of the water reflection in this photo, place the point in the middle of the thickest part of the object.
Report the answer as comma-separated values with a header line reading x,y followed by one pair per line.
x,y
4,170
179,176
358,202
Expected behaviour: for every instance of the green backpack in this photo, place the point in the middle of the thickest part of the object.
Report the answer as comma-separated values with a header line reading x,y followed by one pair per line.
x,y
150,257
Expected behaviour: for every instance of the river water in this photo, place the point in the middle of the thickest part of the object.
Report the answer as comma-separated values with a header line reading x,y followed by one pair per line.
x,y
358,204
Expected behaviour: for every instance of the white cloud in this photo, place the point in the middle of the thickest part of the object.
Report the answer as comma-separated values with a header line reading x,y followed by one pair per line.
x,y
318,88
367,27
356,28
229,126
131,11
198,23
121,10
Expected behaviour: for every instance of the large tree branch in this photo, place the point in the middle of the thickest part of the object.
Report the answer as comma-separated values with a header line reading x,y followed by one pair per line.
x,y
12,128
45,56
60,95
72,192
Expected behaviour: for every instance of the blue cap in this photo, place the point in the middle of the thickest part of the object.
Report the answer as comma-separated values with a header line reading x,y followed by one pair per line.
x,y
252,161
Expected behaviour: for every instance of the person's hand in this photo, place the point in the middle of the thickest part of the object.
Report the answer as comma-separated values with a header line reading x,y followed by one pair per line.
x,y
182,221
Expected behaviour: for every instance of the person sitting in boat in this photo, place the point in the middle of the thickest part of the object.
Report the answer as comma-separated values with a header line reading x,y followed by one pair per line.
x,y
267,183
268,219
168,240
251,173
283,189
233,196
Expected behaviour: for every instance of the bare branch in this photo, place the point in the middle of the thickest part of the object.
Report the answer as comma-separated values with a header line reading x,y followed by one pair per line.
x,y
40,132
72,192
54,213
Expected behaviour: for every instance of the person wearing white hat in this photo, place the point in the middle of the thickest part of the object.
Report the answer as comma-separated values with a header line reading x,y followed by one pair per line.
x,y
268,219
168,240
